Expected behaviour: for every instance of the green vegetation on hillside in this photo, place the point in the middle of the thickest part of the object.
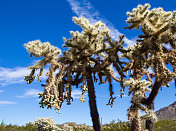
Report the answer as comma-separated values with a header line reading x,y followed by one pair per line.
x,y
162,125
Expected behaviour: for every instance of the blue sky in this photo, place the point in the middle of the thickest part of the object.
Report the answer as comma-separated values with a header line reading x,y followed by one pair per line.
x,y
26,20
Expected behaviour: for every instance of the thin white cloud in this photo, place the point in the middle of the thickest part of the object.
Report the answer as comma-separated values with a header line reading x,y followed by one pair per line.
x,y
83,8
30,93
7,103
15,75
76,94
1,91
12,76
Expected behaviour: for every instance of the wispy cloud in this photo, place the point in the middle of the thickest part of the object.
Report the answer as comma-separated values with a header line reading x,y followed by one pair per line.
x,y
7,103
14,75
1,91
30,93
76,94
83,8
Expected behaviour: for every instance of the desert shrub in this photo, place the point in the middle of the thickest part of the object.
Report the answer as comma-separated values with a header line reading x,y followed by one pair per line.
x,y
165,125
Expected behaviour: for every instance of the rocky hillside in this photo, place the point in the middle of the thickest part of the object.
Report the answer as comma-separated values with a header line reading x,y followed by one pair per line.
x,y
167,113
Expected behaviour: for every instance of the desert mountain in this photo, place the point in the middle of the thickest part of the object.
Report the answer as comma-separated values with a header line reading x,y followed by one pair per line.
x,y
167,113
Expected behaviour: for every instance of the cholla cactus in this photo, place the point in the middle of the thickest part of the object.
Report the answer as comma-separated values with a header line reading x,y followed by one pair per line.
x,y
150,114
91,51
94,44
66,127
38,49
51,55
97,32
137,88
45,124
159,29
154,22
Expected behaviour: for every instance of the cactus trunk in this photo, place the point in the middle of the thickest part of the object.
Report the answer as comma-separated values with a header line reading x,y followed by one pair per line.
x,y
150,123
92,101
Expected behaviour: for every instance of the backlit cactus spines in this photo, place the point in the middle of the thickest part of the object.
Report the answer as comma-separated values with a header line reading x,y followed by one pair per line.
x,y
150,114
150,51
90,41
91,51
38,49
45,124
138,89
156,22
94,44
158,27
